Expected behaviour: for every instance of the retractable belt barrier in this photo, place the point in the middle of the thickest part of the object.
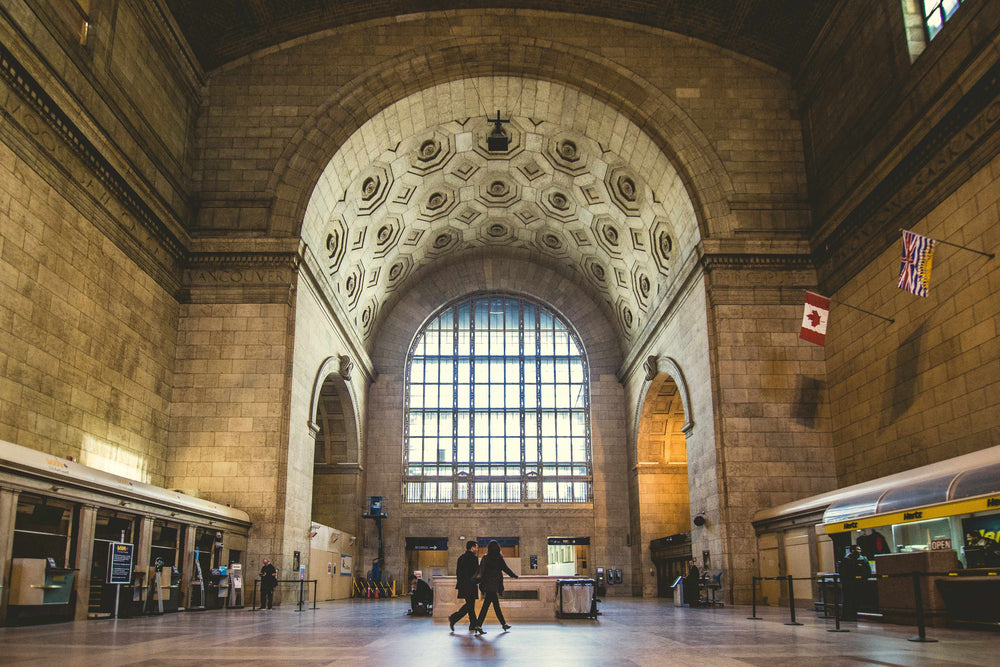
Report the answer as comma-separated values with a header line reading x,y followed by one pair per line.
x,y
303,593
838,602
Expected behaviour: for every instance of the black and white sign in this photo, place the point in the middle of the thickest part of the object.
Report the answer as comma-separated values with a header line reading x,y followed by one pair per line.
x,y
119,563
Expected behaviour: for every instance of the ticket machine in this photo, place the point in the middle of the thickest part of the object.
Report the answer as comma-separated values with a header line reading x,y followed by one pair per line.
x,y
40,591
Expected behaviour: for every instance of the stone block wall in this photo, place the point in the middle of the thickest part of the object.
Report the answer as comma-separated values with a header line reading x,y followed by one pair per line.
x,y
318,346
924,388
773,426
86,335
228,421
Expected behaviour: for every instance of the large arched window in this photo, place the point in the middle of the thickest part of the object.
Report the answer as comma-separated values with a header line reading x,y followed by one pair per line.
x,y
497,406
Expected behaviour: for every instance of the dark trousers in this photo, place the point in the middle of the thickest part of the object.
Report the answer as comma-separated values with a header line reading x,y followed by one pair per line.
x,y
468,608
488,599
267,597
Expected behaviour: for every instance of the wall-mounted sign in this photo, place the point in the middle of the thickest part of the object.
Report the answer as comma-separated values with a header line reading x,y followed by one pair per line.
x,y
345,565
426,543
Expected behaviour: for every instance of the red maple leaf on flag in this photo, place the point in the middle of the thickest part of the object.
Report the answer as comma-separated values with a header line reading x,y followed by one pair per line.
x,y
815,318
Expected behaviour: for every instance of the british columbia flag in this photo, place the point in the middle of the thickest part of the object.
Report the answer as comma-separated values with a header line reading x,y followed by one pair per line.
x,y
915,270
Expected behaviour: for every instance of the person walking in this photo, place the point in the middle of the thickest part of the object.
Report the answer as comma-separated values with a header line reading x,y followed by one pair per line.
x,y
465,570
268,582
491,570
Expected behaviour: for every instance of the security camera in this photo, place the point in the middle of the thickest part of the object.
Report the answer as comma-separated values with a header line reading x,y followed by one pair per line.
x,y
353,539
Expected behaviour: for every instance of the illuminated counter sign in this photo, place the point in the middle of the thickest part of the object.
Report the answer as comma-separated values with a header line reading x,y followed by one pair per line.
x,y
922,514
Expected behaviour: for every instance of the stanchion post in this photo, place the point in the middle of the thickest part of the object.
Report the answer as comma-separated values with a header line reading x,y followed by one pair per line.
x,y
301,586
254,601
836,607
315,592
918,603
791,601
753,587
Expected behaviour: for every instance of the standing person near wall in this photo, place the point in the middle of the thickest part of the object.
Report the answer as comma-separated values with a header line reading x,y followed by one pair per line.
x,y
854,570
268,582
491,570
692,589
465,570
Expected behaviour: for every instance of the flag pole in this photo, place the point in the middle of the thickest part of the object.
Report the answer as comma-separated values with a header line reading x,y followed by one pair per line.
x,y
955,245
862,310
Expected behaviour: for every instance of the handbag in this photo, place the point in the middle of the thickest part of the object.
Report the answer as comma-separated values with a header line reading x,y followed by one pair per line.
x,y
478,576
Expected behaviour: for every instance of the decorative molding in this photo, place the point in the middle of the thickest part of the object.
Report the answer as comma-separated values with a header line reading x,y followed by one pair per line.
x,y
716,261
656,366
250,277
61,141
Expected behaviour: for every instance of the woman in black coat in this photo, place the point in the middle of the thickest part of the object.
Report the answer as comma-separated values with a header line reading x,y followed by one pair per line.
x,y
491,570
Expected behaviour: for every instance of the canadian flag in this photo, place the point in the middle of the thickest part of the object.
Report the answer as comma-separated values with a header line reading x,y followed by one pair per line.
x,y
815,318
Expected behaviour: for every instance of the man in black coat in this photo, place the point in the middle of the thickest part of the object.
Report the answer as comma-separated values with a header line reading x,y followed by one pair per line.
x,y
465,570
854,571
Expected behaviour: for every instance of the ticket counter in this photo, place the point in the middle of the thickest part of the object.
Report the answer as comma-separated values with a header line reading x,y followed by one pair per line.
x,y
939,518
63,517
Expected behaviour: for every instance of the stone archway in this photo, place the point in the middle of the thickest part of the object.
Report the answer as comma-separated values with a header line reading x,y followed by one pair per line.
x,y
337,471
660,479
439,65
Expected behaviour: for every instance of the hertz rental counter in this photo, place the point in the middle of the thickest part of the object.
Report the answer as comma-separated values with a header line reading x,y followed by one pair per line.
x,y
527,598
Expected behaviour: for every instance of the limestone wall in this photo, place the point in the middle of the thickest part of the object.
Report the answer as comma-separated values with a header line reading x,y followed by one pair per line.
x,y
924,388
86,335
228,426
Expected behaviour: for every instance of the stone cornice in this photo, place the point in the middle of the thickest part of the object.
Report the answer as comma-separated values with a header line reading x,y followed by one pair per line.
x,y
59,124
712,262
250,277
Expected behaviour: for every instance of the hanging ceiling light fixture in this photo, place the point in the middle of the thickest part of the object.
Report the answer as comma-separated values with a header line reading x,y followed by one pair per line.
x,y
498,140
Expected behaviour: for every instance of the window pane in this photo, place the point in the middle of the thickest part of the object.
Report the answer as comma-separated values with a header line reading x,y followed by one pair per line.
x,y
464,396
416,396
531,450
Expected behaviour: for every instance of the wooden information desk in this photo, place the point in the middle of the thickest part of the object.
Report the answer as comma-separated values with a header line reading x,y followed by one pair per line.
x,y
527,598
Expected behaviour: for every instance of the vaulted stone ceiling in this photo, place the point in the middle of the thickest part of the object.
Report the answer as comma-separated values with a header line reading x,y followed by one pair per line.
x,y
555,195
777,32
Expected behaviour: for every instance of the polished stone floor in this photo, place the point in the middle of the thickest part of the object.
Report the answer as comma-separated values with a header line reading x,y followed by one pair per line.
x,y
629,632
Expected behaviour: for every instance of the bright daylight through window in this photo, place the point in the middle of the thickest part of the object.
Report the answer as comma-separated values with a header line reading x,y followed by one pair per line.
x,y
936,12
497,406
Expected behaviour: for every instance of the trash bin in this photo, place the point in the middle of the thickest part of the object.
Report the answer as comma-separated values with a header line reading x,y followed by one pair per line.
x,y
678,587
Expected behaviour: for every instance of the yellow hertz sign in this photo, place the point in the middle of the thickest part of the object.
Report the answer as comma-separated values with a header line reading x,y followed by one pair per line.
x,y
122,548
921,514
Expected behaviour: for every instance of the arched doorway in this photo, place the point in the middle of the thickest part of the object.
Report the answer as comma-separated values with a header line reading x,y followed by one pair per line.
x,y
661,480
337,480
